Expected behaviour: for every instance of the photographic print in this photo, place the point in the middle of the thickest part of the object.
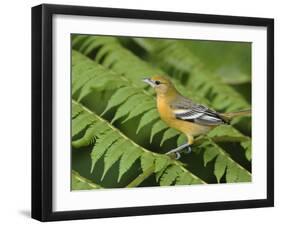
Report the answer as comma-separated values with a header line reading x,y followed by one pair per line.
x,y
138,112
152,112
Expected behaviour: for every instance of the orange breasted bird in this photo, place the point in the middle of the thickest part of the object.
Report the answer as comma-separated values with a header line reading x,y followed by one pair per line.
x,y
182,114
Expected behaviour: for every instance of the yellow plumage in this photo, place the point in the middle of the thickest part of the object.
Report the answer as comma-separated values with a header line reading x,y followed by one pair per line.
x,y
184,115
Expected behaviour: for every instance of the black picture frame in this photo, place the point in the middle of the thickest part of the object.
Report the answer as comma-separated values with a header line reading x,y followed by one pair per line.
x,y
42,107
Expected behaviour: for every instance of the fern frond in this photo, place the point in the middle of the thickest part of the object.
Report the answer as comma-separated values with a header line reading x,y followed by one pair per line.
x,y
128,106
156,128
81,122
120,96
224,164
109,52
112,146
148,117
227,133
168,134
88,137
143,107
248,149
169,176
113,154
132,101
161,163
88,75
127,160
103,143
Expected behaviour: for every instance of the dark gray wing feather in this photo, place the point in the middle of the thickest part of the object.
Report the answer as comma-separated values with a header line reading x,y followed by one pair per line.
x,y
185,109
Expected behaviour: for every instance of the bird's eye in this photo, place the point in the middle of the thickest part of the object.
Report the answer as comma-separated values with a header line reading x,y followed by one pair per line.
x,y
157,82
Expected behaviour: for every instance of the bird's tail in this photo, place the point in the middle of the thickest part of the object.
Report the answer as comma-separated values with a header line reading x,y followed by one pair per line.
x,y
230,115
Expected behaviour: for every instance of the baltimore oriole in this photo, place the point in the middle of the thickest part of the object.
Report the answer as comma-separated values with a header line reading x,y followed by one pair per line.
x,y
184,115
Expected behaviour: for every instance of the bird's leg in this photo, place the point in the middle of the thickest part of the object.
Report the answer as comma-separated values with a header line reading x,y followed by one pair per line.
x,y
180,149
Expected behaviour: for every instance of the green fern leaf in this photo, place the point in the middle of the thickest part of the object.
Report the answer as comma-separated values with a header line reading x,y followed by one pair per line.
x,y
169,176
76,40
85,44
98,83
80,123
89,135
142,107
161,163
147,118
75,111
181,140
113,154
227,132
224,163
248,149
170,133
147,161
102,144
87,75
93,45
127,107
235,174
112,55
159,174
127,160
156,128
209,154
119,97
220,167
184,179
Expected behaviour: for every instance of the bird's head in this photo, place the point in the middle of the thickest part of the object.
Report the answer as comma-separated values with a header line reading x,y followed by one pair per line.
x,y
161,84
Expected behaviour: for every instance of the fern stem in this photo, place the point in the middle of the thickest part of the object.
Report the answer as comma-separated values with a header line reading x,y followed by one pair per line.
x,y
137,181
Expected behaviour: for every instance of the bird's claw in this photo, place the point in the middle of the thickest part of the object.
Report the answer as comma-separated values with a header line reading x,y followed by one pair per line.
x,y
189,150
178,155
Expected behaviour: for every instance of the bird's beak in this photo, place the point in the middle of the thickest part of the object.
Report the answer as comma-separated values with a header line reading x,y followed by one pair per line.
x,y
149,82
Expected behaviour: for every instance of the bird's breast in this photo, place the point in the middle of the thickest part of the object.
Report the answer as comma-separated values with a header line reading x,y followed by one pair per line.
x,y
164,109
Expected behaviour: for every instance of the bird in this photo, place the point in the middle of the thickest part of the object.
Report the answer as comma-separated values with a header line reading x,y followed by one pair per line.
x,y
181,113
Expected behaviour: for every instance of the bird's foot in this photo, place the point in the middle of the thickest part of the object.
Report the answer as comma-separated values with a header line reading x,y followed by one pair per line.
x,y
177,151
189,150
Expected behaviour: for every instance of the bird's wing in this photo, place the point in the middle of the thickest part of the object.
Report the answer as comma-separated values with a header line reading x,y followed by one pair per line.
x,y
186,110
